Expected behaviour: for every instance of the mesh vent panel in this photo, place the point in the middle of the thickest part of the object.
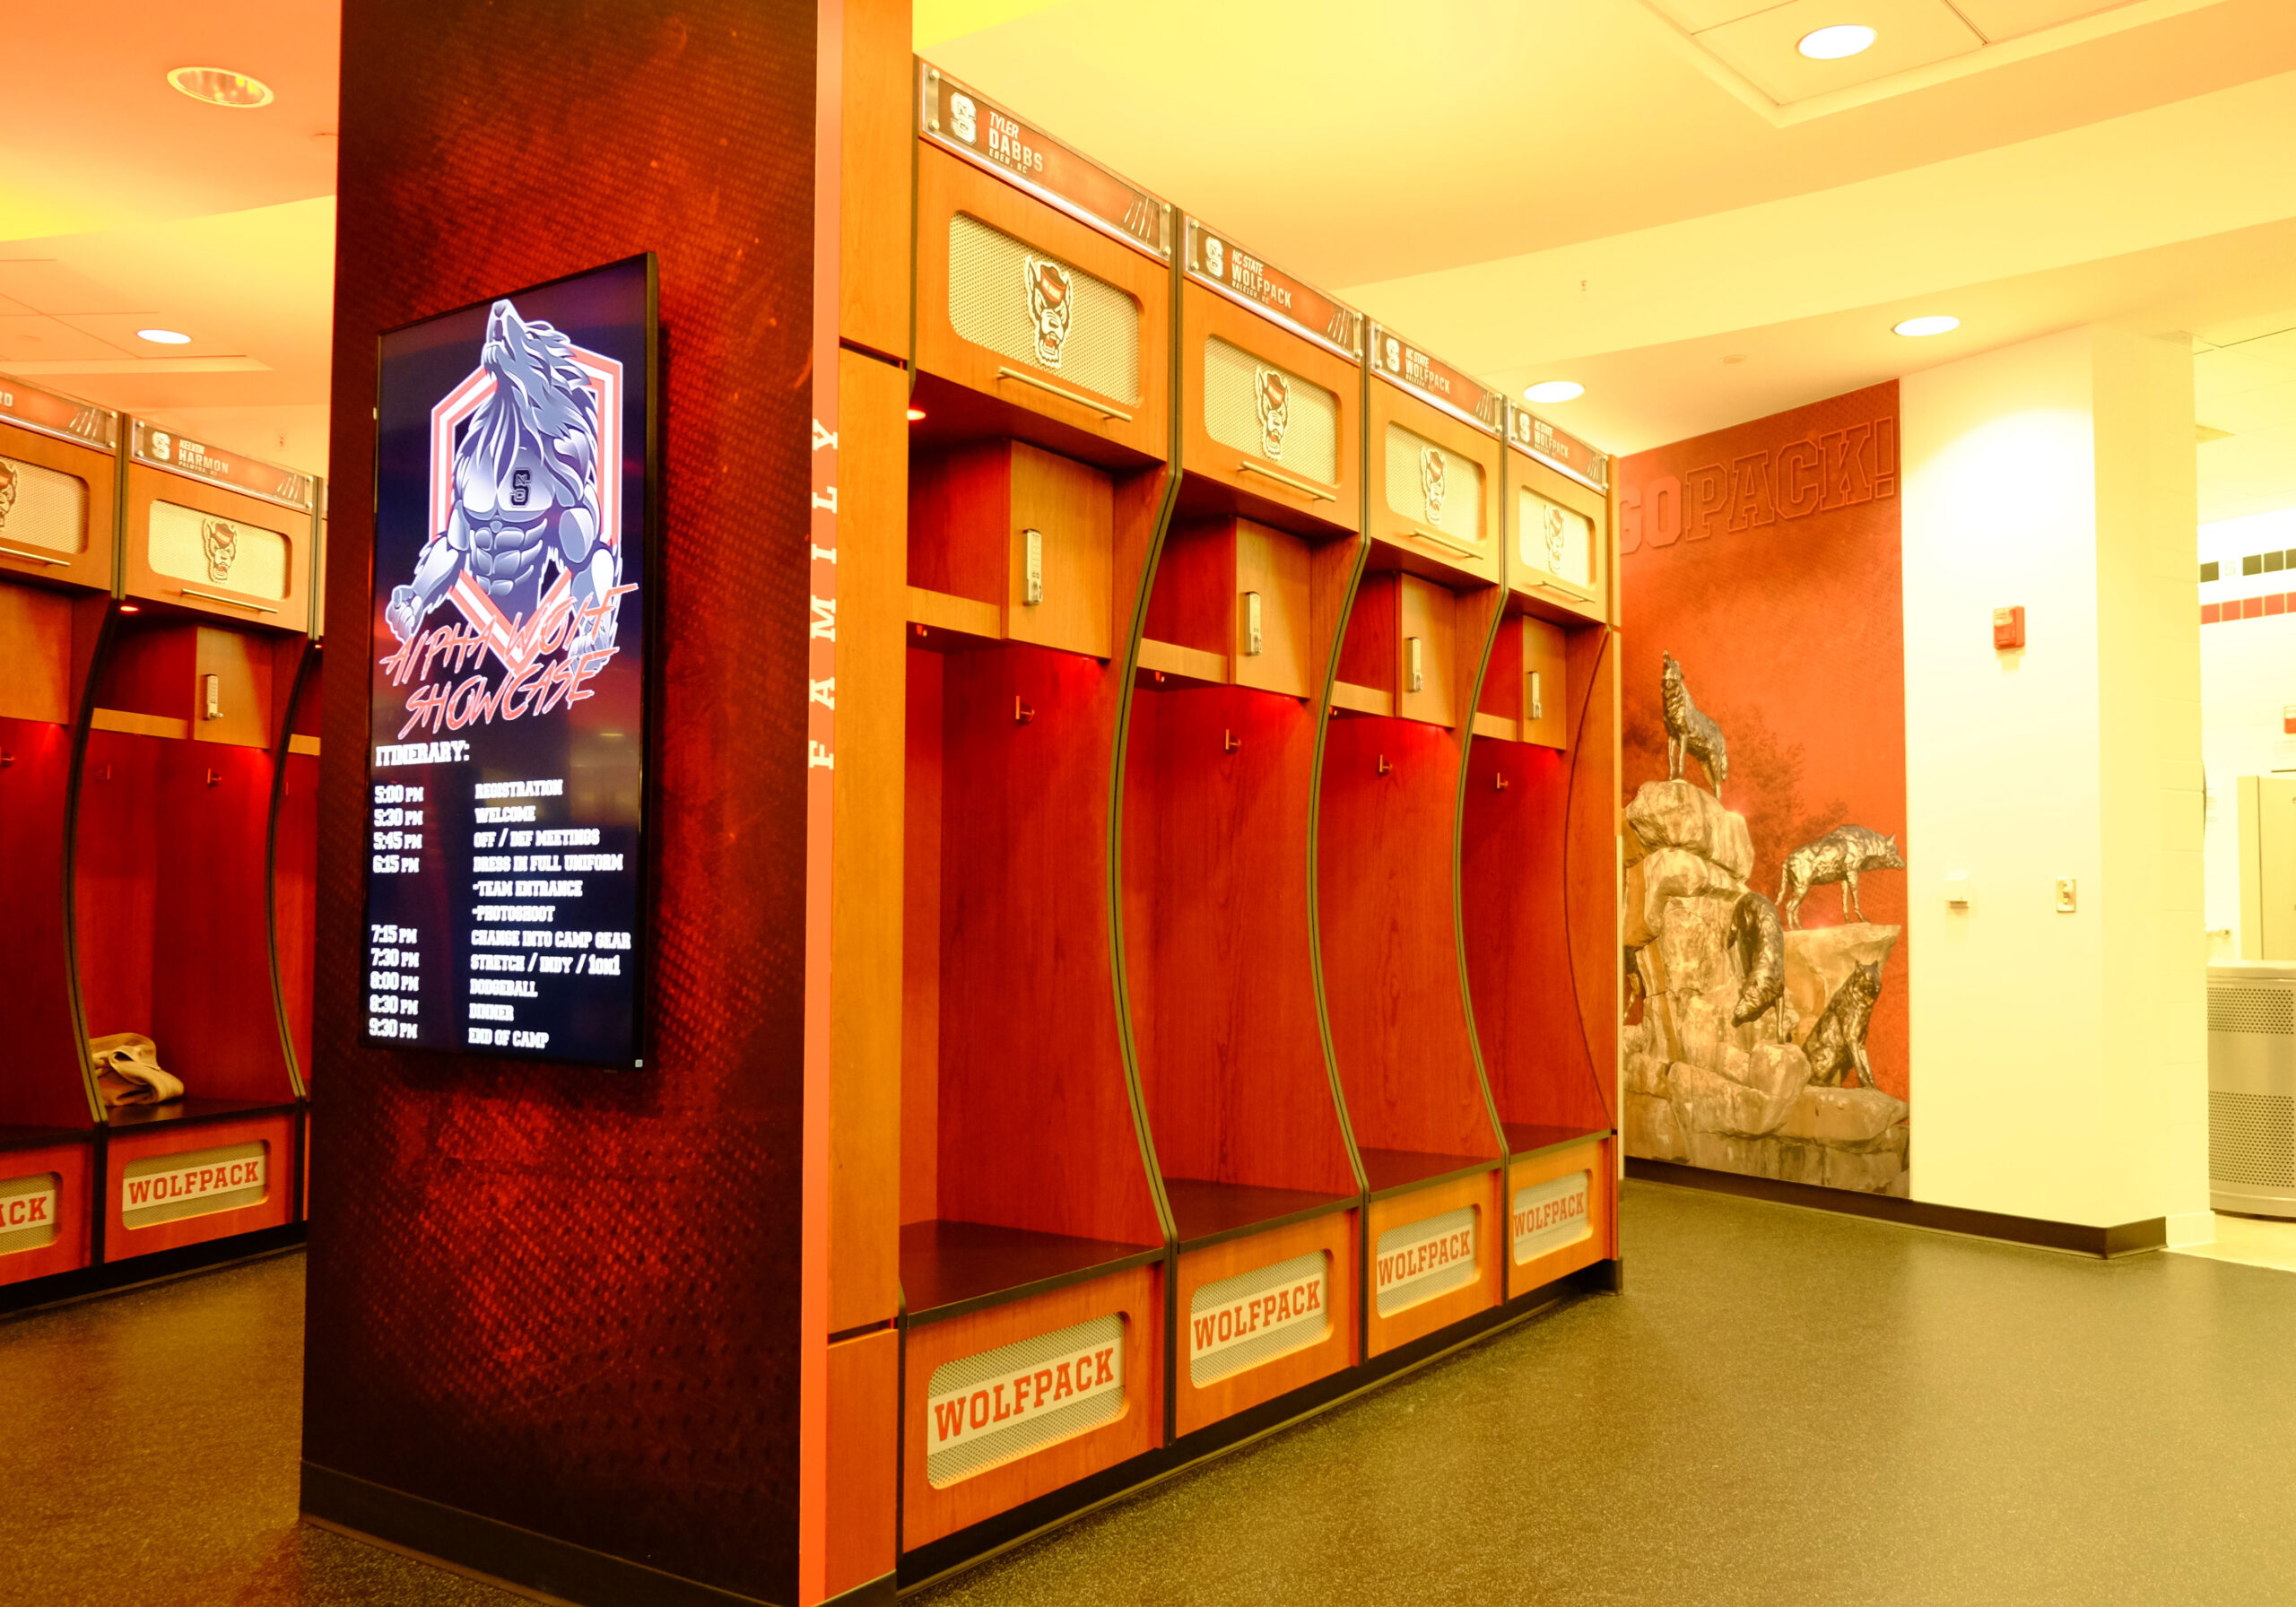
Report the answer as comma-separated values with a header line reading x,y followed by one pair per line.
x,y
1286,1308
2252,1139
167,1189
1308,444
28,1210
1462,511
989,305
198,547
1420,1260
982,1390
42,507
2252,1009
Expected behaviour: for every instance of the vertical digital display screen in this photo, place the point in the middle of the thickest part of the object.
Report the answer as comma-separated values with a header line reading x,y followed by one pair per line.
x,y
506,674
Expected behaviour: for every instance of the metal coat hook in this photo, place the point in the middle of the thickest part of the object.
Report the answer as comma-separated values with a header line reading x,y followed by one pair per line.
x,y
1022,713
1501,779
215,779
6,761
1384,766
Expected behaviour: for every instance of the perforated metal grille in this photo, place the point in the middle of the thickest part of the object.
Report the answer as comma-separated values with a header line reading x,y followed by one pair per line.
x,y
2252,1009
41,507
1285,1308
167,1189
198,547
1308,440
1461,515
981,1391
990,305
2252,1139
1407,1273
28,1210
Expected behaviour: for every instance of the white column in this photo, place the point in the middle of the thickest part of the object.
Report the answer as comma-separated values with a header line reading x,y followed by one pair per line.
x,y
2058,1059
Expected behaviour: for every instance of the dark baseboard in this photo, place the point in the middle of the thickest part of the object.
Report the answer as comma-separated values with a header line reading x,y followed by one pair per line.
x,y
967,1548
2127,1238
114,1277
882,1591
488,1549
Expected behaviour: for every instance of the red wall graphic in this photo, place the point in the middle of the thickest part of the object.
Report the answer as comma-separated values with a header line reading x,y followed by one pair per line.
x,y
1766,559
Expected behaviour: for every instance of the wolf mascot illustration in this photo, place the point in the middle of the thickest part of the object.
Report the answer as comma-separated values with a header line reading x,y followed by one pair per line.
x,y
526,479
1837,1044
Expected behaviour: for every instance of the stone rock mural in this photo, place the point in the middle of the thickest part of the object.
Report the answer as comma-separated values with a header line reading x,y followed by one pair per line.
x,y
1743,1096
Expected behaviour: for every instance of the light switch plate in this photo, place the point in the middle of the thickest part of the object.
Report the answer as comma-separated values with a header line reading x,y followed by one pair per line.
x,y
2068,895
1957,890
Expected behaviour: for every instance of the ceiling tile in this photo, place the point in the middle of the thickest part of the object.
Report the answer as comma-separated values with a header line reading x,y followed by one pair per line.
x,y
2007,18
28,337
2231,372
1696,15
1911,33
2268,412
2278,348
49,286
120,331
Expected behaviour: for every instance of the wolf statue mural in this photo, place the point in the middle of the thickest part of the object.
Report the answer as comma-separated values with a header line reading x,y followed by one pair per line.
x,y
1745,1045
525,492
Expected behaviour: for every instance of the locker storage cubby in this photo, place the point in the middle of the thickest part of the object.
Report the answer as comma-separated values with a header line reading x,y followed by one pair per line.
x,y
172,890
1024,1190
1219,949
1538,893
1395,742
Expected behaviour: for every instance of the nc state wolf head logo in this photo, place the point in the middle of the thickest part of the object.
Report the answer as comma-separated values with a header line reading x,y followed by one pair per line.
x,y
1431,483
1556,540
1274,399
1050,294
220,543
7,492
962,116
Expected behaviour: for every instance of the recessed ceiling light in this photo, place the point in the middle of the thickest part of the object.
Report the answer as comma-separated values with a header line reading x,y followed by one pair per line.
x,y
164,337
1935,324
1555,390
1831,44
220,86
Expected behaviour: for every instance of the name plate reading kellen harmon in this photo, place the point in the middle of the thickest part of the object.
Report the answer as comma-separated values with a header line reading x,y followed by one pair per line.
x,y
28,1212
986,1410
1252,1318
1421,1260
1549,1216
508,634
167,1189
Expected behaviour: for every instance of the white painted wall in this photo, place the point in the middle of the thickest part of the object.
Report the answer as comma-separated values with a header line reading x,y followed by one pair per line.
x,y
2057,1059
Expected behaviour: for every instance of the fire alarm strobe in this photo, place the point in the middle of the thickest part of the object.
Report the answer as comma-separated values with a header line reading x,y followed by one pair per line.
x,y
2008,630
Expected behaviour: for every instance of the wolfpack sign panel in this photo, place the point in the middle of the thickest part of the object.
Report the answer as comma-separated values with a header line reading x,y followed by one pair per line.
x,y
506,674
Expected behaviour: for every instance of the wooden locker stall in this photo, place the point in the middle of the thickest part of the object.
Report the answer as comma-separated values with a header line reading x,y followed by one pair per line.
x,y
1033,1238
1220,766
171,899
58,483
1538,858
1387,822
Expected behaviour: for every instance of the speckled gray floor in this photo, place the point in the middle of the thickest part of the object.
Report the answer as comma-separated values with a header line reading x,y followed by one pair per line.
x,y
1788,1408
149,1454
